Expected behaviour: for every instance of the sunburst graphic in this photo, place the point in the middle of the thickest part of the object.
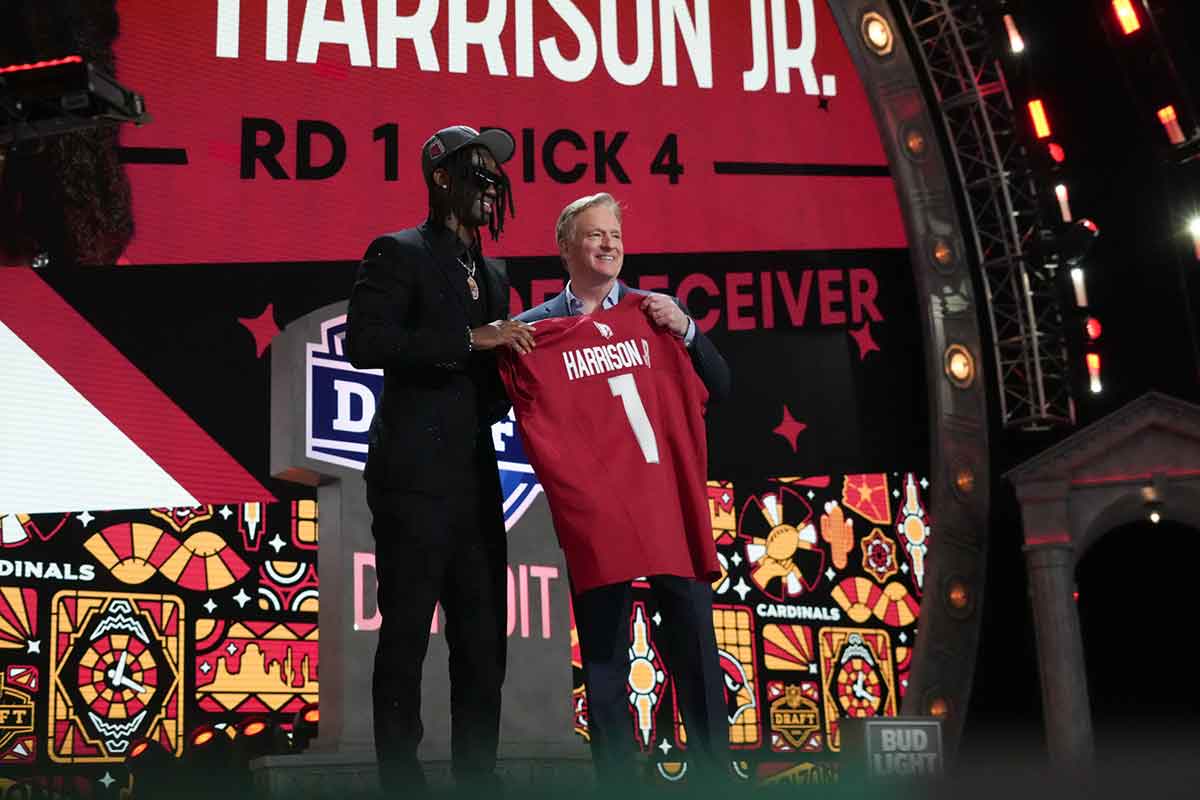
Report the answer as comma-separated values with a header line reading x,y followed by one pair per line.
x,y
781,543
646,676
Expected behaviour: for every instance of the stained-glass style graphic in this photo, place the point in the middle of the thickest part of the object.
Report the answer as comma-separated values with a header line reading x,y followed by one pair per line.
x,y
794,710
734,628
115,661
857,677
867,496
838,532
18,744
180,519
288,586
862,599
19,529
879,556
721,509
305,531
18,617
133,552
912,523
781,543
646,680
255,667
789,648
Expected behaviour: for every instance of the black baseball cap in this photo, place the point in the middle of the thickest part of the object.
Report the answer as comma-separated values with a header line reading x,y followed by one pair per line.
x,y
449,140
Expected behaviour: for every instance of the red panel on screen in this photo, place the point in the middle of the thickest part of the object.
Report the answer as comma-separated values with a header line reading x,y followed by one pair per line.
x,y
199,93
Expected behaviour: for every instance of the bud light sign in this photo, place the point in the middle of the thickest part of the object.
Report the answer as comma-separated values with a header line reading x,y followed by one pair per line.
x,y
341,403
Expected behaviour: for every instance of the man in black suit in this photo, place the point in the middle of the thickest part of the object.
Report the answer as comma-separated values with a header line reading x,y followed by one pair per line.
x,y
429,309
592,249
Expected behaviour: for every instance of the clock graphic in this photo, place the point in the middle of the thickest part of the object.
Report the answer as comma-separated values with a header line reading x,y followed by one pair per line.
x,y
860,689
857,675
115,662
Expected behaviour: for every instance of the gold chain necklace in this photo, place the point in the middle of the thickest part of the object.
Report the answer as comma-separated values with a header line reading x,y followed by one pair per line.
x,y
471,284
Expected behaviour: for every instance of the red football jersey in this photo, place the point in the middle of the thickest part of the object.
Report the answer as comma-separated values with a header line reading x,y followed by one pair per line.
x,y
611,414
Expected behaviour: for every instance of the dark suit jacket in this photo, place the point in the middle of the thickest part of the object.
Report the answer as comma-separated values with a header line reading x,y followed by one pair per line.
x,y
708,362
408,316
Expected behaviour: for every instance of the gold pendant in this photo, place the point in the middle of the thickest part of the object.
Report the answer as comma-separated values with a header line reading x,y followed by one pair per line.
x,y
473,286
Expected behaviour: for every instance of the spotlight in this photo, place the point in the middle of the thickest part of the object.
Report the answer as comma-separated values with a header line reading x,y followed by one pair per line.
x,y
1064,202
1041,123
959,366
304,726
1127,17
1194,230
1015,43
151,764
1170,122
1093,368
1155,517
1075,242
877,33
1077,282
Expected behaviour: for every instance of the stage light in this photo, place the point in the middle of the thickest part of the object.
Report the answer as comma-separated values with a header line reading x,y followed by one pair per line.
x,y
1057,154
305,726
1080,287
1093,328
1170,122
1127,17
965,480
1155,517
203,735
1064,202
877,33
1194,230
1075,242
943,253
151,765
959,366
939,707
958,595
1093,368
1041,123
1015,43
915,143
253,726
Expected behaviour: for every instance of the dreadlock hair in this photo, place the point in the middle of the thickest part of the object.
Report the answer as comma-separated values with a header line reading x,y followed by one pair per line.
x,y
464,186
66,195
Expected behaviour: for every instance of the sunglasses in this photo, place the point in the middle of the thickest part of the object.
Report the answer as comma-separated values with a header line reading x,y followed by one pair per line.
x,y
487,177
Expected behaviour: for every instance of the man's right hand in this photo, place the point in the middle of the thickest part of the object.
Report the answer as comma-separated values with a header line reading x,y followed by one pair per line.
x,y
503,333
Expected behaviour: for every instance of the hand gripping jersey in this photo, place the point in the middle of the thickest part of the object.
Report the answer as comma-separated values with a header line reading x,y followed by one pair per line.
x,y
611,414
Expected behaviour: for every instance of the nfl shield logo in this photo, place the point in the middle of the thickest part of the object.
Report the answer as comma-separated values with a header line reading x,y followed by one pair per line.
x,y
518,484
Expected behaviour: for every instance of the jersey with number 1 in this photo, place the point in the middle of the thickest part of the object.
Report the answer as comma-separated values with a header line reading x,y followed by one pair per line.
x,y
611,414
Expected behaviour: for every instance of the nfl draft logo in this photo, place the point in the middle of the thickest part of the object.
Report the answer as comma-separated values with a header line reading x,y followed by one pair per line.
x,y
517,482
341,403
340,399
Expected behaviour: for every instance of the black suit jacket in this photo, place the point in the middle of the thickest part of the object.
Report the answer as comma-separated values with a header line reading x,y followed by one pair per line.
x,y
708,362
408,316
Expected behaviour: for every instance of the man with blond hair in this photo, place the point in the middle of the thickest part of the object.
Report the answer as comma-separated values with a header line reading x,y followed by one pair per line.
x,y
646,515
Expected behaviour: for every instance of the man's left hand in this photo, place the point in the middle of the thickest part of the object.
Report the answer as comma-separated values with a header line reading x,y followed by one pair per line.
x,y
664,312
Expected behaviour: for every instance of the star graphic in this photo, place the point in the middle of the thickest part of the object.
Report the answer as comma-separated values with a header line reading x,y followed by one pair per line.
x,y
242,598
107,780
277,543
262,328
85,518
789,428
742,589
665,746
657,618
33,646
823,103
736,559
210,605
862,338
225,512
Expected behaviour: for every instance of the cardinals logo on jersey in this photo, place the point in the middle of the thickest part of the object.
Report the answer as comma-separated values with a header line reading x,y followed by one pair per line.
x,y
605,331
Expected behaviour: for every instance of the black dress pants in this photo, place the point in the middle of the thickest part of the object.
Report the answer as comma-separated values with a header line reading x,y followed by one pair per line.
x,y
689,647
428,549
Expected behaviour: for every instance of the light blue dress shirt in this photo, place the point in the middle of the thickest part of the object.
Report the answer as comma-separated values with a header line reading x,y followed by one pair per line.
x,y
575,308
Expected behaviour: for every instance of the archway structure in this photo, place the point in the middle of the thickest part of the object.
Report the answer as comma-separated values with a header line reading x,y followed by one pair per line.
x,y
1141,460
